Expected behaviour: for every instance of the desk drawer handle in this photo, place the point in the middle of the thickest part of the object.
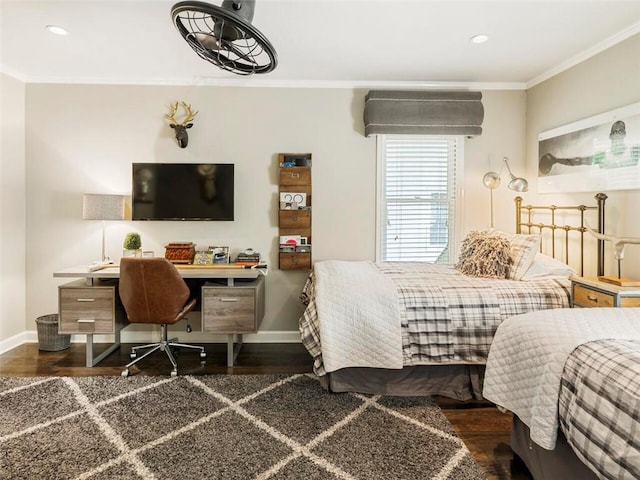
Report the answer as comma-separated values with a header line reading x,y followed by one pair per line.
x,y
85,300
592,298
227,299
295,175
86,320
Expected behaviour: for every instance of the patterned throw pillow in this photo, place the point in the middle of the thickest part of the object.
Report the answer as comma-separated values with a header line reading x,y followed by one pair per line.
x,y
523,251
485,254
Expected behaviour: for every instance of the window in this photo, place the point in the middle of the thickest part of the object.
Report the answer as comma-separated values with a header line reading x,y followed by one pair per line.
x,y
417,197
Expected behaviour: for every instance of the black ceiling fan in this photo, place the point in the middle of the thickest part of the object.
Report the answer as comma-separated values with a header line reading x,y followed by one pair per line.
x,y
224,35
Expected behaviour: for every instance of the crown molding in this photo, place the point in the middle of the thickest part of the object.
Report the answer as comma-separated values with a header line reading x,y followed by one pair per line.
x,y
12,73
267,83
585,55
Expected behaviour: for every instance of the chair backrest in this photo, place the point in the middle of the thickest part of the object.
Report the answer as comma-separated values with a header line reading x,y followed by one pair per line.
x,y
152,290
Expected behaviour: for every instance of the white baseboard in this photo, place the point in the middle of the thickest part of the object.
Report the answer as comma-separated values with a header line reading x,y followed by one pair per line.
x,y
31,336
13,342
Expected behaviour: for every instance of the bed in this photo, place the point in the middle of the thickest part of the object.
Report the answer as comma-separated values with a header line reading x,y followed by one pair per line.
x,y
571,379
404,328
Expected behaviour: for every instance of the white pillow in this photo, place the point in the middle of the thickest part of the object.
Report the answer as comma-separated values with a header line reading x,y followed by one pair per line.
x,y
523,250
544,266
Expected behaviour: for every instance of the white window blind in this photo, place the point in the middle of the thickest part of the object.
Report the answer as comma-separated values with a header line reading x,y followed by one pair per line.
x,y
417,201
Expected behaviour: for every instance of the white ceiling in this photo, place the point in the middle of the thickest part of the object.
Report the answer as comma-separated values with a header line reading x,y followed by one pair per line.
x,y
319,42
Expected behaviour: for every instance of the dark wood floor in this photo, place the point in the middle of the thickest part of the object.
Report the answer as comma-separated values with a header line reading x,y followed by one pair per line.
x,y
482,427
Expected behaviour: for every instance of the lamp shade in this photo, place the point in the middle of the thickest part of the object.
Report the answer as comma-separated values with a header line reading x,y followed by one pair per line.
x,y
491,180
102,207
517,184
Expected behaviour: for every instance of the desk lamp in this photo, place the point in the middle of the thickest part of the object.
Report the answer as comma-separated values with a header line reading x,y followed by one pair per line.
x,y
102,207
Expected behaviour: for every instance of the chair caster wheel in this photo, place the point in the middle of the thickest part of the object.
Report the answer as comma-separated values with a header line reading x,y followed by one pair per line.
x,y
125,373
189,329
203,354
133,355
174,373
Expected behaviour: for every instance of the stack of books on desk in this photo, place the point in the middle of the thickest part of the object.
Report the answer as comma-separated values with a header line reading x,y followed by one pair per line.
x,y
250,259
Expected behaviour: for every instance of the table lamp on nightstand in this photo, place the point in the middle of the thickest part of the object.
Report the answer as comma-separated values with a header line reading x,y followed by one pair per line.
x,y
102,207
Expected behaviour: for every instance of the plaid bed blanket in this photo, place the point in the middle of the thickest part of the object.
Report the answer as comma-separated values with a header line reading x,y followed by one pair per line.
x,y
599,407
446,317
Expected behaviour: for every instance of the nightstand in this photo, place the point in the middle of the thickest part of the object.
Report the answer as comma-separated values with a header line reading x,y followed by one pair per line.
x,y
590,292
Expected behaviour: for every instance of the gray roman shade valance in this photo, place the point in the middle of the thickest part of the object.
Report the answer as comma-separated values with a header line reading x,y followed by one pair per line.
x,y
423,112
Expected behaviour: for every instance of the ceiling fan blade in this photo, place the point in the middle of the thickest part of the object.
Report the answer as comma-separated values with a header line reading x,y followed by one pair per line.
x,y
232,48
209,42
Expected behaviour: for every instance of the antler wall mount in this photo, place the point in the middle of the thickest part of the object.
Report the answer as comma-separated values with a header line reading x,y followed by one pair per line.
x,y
180,128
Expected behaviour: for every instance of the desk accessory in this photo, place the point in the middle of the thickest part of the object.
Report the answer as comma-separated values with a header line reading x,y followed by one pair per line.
x,y
220,254
132,245
180,252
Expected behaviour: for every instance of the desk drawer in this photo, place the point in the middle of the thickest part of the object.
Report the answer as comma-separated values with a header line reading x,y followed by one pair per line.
x,y
592,298
86,310
228,310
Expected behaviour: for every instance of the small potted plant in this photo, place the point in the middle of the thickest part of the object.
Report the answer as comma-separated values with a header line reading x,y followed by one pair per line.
x,y
132,245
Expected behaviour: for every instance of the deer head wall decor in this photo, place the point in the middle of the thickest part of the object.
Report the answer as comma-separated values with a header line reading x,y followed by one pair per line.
x,y
180,128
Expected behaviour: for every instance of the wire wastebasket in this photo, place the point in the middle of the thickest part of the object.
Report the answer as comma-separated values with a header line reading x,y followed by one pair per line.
x,y
48,337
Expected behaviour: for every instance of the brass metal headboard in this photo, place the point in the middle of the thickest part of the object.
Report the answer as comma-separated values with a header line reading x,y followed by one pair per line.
x,y
530,211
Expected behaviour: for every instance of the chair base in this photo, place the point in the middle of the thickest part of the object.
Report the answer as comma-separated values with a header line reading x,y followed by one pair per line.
x,y
164,345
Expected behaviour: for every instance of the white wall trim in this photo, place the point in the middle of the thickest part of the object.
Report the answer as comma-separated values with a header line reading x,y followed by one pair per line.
x,y
260,82
585,55
16,340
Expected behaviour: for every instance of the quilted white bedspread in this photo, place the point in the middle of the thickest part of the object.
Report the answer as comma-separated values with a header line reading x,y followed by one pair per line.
x,y
528,354
362,316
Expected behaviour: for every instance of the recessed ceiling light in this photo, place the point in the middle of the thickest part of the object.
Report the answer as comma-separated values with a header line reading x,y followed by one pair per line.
x,y
57,30
480,38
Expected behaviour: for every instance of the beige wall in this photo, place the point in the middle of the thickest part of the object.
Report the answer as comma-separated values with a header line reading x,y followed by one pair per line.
x,y
12,212
605,82
83,139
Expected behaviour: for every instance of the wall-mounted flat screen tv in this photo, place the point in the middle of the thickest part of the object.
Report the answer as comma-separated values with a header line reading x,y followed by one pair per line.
x,y
182,191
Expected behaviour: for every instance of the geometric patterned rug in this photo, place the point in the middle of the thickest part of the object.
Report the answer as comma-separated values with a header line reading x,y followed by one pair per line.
x,y
220,427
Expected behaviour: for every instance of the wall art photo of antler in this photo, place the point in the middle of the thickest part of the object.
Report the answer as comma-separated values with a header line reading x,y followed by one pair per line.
x,y
180,128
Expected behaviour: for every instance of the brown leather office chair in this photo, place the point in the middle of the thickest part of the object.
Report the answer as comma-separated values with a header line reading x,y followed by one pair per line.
x,y
153,291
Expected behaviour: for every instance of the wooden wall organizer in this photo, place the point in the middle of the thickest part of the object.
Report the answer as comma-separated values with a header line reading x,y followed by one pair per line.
x,y
294,220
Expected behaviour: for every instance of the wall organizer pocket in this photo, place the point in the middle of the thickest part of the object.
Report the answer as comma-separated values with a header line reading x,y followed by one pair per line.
x,y
295,211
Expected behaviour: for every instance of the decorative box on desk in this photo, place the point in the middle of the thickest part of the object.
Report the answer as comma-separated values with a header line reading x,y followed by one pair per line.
x,y
180,252
591,293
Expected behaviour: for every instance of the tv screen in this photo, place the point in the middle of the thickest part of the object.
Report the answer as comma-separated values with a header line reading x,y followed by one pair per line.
x,y
182,191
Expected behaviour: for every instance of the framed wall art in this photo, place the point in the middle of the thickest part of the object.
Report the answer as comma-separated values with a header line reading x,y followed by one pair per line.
x,y
596,154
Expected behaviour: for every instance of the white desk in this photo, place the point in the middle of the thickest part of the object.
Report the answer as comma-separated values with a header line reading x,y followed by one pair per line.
x,y
91,305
